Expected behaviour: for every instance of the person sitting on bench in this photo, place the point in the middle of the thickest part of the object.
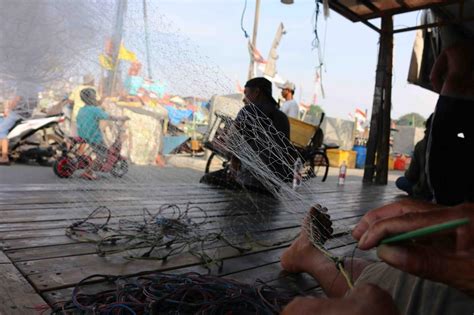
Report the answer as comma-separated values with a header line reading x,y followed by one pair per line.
x,y
266,130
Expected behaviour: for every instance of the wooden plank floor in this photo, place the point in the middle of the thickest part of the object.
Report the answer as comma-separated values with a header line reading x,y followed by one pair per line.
x,y
46,264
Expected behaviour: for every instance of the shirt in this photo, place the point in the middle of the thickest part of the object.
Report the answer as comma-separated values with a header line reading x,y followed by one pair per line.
x,y
75,96
291,109
88,123
268,135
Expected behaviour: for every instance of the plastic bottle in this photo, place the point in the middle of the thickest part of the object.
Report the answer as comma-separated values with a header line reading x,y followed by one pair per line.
x,y
342,173
297,177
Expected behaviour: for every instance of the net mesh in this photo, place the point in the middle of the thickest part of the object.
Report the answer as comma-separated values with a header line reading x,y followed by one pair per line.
x,y
50,45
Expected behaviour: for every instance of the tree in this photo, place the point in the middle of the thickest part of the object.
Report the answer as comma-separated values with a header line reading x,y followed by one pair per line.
x,y
412,120
313,115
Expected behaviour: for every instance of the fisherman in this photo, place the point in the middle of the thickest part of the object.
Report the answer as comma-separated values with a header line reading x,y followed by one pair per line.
x,y
290,106
266,130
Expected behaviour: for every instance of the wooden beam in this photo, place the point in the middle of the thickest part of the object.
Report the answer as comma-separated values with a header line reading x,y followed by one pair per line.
x,y
350,15
399,10
436,24
369,169
384,139
370,5
378,127
402,3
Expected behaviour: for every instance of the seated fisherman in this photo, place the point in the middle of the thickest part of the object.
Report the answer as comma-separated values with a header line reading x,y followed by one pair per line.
x,y
265,132
88,128
415,181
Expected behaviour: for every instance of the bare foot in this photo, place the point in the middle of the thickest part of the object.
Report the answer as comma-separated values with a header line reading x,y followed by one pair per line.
x,y
302,254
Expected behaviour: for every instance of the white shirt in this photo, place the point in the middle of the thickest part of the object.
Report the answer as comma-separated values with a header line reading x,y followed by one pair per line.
x,y
291,109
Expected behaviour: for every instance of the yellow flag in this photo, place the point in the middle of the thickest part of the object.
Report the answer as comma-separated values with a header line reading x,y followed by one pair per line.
x,y
125,54
106,62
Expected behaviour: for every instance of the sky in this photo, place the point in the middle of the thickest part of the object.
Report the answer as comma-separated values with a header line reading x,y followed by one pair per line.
x,y
350,50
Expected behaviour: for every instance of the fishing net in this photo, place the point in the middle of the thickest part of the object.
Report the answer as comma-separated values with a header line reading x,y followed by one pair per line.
x,y
133,209
188,293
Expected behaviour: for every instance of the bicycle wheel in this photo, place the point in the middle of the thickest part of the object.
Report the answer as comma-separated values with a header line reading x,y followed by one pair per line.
x,y
213,160
318,166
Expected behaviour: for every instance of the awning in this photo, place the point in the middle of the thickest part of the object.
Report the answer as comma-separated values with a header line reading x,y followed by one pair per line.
x,y
453,11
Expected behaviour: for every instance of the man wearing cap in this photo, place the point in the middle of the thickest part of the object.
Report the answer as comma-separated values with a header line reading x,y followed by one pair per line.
x,y
289,107
266,130
75,99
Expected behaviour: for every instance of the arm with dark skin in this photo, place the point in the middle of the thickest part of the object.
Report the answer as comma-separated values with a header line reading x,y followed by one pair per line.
x,y
439,71
446,257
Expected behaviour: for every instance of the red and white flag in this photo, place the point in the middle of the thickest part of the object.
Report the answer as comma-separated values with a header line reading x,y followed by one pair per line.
x,y
255,54
360,114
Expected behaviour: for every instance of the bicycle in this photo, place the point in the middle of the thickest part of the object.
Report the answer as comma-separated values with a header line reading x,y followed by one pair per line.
x,y
306,138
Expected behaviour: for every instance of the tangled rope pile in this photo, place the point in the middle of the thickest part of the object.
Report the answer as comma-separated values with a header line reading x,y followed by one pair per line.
x,y
189,293
168,232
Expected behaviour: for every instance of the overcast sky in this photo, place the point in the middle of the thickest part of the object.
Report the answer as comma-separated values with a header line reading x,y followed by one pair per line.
x,y
350,50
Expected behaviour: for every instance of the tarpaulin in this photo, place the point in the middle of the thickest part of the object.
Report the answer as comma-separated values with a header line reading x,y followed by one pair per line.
x,y
178,115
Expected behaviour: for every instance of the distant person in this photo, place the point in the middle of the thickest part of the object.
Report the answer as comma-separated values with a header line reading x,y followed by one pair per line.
x,y
266,130
451,144
290,106
13,111
9,119
88,128
415,181
77,103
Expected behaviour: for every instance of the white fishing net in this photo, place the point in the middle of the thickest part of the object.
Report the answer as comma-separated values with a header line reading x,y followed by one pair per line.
x,y
48,45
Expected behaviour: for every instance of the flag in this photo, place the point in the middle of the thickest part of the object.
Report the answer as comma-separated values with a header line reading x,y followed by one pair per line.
x,y
106,62
125,54
255,54
360,114
361,117
239,88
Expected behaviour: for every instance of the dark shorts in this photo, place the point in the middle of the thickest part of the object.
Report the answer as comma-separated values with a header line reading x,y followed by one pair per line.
x,y
222,179
449,151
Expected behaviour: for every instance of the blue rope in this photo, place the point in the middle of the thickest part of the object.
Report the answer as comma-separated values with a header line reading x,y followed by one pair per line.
x,y
242,21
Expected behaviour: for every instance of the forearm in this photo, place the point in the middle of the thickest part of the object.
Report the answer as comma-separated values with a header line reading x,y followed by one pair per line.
x,y
117,118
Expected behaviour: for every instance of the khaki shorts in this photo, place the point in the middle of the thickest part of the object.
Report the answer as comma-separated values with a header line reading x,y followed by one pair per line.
x,y
414,295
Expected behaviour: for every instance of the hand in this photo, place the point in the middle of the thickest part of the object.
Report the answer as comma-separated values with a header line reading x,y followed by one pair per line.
x,y
451,263
362,300
391,210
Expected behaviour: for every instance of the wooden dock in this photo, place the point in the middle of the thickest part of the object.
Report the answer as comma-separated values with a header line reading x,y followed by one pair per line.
x,y
40,265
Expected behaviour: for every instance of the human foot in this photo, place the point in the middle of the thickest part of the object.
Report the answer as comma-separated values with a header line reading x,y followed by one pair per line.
x,y
302,254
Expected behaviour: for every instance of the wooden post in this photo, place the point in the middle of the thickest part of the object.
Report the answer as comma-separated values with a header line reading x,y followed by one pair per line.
x,y
254,39
378,140
384,140
116,40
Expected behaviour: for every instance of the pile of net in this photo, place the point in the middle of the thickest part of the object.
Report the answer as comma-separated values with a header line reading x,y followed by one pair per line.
x,y
160,293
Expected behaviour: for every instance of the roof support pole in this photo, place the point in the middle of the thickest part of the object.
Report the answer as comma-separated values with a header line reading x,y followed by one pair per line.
x,y
379,136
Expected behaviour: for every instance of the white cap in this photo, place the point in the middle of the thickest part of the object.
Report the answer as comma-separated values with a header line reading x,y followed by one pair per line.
x,y
287,85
